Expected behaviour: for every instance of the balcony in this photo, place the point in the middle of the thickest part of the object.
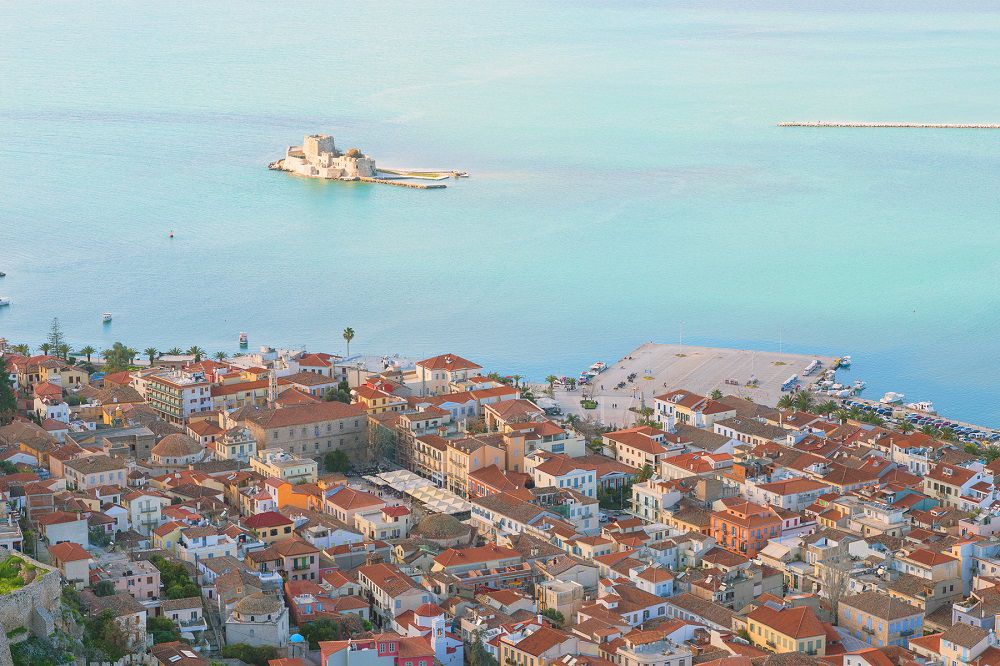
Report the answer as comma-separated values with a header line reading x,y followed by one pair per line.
x,y
906,633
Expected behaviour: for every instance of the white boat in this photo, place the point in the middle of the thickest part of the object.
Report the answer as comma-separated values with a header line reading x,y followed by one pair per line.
x,y
106,317
600,366
243,338
859,384
925,406
4,300
892,398
845,362
812,367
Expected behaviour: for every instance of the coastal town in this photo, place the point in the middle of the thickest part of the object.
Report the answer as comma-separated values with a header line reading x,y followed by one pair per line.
x,y
284,507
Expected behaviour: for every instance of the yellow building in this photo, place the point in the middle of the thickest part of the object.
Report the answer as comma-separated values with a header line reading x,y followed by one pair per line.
x,y
469,454
786,629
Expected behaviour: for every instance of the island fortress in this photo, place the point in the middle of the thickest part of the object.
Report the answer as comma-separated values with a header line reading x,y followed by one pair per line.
x,y
318,157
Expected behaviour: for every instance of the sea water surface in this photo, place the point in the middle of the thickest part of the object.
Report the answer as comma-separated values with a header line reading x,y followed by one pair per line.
x,y
626,176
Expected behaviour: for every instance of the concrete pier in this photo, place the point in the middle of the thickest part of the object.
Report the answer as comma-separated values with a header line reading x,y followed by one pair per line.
x,y
835,123
397,183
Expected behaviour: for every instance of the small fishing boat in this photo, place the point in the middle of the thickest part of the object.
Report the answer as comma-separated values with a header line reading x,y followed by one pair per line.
x,y
2,274
859,384
106,317
243,339
845,362
4,300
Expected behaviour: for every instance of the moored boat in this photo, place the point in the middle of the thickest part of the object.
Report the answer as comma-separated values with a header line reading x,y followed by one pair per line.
x,y
106,317
4,300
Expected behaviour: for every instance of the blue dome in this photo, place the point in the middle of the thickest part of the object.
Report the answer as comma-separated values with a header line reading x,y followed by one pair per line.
x,y
296,638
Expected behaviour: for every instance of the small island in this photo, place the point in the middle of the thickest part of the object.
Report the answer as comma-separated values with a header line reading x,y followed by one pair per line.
x,y
318,157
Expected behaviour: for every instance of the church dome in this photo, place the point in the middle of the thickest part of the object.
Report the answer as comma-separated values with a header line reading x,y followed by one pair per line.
x,y
257,604
440,526
176,446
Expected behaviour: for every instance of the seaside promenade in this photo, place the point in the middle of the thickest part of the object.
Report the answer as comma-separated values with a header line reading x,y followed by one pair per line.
x,y
698,369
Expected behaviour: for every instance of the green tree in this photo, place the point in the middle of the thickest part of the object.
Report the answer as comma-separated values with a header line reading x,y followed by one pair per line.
x,y
348,336
151,353
554,615
803,400
98,537
340,394
551,380
87,351
947,434
221,356
336,461
103,635
905,426
716,394
826,408
175,351
645,474
22,349
8,399
319,630
163,629
45,348
197,352
104,588
56,339
256,656
786,402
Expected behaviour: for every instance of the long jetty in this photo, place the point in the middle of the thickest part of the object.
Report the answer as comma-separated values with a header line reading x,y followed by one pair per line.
x,y
397,183
834,123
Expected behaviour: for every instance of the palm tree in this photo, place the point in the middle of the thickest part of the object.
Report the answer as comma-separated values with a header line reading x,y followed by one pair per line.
x,y
130,354
905,426
175,351
842,415
929,430
855,413
151,353
716,394
826,408
62,351
348,336
552,379
22,349
197,352
572,383
221,355
786,402
45,348
803,400
87,351
517,380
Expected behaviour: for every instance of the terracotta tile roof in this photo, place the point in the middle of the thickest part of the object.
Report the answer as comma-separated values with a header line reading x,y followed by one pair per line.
x,y
449,362
67,551
305,414
799,622
459,556
539,641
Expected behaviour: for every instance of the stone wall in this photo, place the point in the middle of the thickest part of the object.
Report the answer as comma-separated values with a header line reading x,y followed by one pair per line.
x,y
34,607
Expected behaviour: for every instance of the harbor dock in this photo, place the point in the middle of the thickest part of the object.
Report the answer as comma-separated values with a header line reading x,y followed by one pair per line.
x,y
834,123
698,369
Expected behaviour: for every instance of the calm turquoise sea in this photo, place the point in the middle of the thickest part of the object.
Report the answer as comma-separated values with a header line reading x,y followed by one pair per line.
x,y
627,175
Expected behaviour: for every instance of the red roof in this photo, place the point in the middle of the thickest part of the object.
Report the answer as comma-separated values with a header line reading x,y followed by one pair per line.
x,y
67,551
266,519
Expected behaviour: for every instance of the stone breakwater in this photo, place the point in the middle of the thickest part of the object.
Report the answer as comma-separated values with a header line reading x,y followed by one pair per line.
x,y
397,183
833,123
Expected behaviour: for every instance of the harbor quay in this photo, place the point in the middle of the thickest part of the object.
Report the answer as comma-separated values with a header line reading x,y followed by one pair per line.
x,y
756,375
